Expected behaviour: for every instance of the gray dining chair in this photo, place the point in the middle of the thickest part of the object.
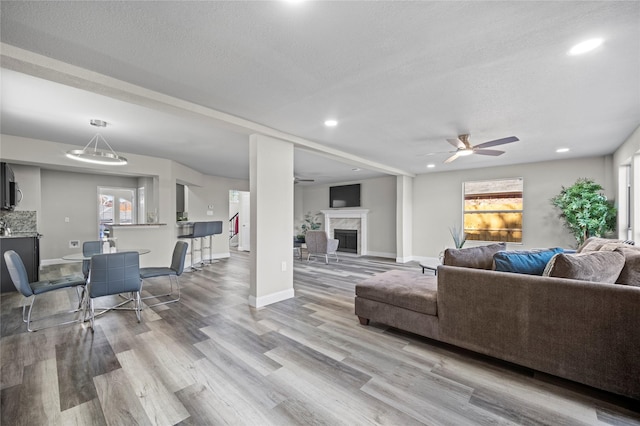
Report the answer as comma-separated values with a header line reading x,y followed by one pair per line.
x,y
114,274
319,245
18,274
89,248
173,272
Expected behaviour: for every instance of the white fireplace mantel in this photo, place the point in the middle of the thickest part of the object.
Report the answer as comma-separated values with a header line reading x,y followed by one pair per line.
x,y
360,214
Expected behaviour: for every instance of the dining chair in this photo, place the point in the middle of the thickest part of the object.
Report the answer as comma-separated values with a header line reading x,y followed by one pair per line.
x,y
89,248
114,274
319,245
173,272
18,274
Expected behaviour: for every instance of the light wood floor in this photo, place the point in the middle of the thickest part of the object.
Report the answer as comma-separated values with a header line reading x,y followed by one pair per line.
x,y
211,359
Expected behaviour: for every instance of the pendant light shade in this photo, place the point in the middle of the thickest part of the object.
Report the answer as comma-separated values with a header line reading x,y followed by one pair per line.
x,y
92,154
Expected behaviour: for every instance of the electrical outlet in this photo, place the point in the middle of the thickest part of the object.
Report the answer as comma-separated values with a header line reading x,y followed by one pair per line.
x,y
74,244
284,266
209,212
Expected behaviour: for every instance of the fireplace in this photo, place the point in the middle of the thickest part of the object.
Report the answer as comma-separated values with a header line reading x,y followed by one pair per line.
x,y
354,220
348,240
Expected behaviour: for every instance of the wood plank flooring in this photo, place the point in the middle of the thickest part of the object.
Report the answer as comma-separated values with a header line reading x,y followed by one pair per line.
x,y
210,359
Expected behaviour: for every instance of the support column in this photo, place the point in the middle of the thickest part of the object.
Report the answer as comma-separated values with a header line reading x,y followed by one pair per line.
x,y
271,185
404,219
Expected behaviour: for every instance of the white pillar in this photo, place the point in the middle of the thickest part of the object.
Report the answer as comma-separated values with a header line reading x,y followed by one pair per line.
x,y
271,185
404,219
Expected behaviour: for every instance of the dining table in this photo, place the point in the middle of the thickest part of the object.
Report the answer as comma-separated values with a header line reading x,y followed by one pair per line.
x,y
80,256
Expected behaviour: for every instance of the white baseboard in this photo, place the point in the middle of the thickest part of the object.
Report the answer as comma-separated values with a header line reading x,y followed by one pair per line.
x,y
259,302
425,259
405,259
380,254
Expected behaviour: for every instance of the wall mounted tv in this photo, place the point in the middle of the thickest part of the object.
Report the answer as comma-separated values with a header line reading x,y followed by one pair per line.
x,y
344,196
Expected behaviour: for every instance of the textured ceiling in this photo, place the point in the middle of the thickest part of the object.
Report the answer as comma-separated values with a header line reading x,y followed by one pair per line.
x,y
401,78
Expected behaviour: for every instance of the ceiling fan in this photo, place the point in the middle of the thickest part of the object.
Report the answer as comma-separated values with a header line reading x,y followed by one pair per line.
x,y
465,148
298,180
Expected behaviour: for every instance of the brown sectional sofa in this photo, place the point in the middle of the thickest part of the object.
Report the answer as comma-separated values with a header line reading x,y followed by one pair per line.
x,y
588,332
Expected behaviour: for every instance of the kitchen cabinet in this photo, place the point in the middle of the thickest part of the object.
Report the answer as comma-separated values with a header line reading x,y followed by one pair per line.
x,y
29,250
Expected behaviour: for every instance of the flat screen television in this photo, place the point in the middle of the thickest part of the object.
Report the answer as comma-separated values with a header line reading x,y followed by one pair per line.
x,y
344,196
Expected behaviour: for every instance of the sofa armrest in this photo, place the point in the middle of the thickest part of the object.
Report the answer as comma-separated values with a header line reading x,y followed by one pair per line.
x,y
583,331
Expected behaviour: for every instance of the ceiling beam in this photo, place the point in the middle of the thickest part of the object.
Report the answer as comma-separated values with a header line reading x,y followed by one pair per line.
x,y
40,66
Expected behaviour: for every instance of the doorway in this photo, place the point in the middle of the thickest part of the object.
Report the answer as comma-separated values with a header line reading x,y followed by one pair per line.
x,y
239,220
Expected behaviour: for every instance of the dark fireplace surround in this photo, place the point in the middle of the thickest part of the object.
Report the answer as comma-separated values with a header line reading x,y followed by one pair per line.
x,y
348,240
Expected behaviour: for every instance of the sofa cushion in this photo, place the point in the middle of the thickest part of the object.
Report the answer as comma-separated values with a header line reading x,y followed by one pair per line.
x,y
595,244
630,274
524,262
406,289
597,266
473,257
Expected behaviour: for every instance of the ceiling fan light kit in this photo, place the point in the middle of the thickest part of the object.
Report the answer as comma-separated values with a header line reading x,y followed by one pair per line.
x,y
94,155
464,148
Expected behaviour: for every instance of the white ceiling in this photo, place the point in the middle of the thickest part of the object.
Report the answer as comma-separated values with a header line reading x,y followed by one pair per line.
x,y
401,78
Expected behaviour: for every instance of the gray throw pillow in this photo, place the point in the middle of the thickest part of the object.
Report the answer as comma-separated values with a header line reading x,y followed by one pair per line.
x,y
595,244
630,274
597,266
473,257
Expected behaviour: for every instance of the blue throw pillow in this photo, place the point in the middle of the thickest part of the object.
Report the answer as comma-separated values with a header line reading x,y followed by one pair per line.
x,y
524,262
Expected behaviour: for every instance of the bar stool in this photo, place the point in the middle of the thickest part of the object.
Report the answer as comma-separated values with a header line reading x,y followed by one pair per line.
x,y
213,228
199,231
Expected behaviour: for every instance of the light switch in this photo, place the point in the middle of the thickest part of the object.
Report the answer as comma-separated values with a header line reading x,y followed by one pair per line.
x,y
66,220
284,266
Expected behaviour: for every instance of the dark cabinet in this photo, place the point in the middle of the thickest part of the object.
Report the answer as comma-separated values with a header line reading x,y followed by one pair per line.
x,y
29,250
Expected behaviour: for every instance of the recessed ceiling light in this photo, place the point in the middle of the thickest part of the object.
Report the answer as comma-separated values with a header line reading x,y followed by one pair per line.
x,y
355,169
331,123
430,166
562,150
585,46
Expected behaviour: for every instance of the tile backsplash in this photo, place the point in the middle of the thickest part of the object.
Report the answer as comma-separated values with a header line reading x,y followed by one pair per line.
x,y
20,221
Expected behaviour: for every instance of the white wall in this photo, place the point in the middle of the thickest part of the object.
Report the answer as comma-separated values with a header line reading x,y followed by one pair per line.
x,y
31,155
28,179
437,201
72,195
629,154
378,195
214,191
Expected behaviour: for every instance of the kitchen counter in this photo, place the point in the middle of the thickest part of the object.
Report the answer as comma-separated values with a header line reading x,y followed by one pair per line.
x,y
22,235
135,225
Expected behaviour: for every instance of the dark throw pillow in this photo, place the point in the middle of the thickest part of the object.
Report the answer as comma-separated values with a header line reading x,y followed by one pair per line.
x,y
524,262
473,257
596,266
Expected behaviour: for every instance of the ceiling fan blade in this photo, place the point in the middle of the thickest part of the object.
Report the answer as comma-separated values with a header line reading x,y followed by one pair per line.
x,y
493,152
457,143
453,157
497,142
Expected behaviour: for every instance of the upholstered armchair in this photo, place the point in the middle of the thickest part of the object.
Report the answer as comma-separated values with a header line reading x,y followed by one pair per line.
x,y
319,245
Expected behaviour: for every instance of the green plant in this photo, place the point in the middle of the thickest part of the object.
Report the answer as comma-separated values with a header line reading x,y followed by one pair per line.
x,y
458,235
585,209
310,223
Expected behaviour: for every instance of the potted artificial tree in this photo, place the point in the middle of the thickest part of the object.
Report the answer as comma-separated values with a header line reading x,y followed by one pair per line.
x,y
586,210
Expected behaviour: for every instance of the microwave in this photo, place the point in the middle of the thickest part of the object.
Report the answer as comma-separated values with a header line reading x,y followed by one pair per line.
x,y
10,194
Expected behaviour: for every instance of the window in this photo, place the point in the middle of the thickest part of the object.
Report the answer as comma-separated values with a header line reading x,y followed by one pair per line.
x,y
493,210
116,206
